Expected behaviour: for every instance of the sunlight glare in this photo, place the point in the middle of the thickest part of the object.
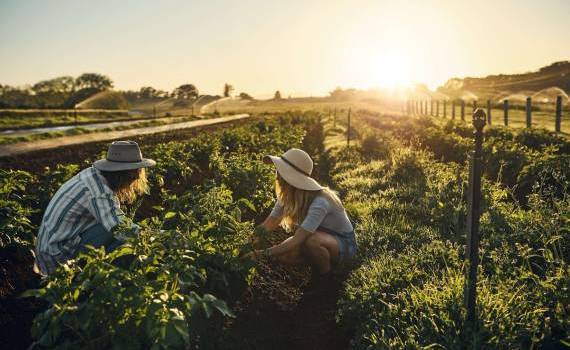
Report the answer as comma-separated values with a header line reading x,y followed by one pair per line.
x,y
391,71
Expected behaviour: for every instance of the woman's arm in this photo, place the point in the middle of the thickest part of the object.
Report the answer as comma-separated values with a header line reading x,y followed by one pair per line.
x,y
289,244
271,223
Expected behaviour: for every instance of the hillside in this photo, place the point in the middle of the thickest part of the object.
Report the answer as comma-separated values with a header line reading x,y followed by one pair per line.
x,y
553,79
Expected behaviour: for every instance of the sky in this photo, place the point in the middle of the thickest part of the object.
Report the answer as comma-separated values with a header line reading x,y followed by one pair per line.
x,y
300,47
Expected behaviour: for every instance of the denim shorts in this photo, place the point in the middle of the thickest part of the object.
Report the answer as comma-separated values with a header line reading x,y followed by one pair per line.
x,y
347,246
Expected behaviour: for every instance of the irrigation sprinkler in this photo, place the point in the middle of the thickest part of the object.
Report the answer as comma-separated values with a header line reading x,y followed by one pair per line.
x,y
528,112
506,112
558,120
473,214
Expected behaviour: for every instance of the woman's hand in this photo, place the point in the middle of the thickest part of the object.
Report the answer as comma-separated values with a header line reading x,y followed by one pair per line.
x,y
253,255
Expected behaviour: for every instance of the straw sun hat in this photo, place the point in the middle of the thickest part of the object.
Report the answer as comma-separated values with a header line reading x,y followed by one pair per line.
x,y
296,166
123,155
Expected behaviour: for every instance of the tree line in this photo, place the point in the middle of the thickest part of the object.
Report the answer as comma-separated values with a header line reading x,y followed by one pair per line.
x,y
67,91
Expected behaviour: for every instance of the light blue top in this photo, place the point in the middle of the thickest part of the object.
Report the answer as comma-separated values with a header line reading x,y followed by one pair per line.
x,y
321,213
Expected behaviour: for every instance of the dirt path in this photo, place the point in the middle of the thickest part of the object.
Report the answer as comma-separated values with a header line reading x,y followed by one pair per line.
x,y
42,145
277,314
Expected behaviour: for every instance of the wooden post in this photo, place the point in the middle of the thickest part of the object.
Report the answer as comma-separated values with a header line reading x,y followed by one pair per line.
x,y
445,108
437,108
489,112
463,110
453,109
473,214
558,121
334,116
506,112
528,112
348,130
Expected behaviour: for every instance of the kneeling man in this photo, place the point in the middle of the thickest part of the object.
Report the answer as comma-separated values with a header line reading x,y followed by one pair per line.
x,y
86,208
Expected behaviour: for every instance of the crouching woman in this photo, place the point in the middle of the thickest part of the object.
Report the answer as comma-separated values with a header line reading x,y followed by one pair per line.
x,y
86,209
323,234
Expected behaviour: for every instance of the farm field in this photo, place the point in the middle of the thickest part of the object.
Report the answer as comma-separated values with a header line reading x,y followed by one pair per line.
x,y
14,119
181,283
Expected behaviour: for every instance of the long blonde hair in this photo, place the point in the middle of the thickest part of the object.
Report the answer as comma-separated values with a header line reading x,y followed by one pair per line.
x,y
127,184
296,202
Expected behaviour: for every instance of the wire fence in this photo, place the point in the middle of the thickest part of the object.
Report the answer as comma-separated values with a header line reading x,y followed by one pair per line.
x,y
552,116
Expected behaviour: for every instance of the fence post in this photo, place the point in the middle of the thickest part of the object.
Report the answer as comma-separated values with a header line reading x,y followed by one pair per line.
x,y
348,130
463,110
489,121
558,121
453,109
506,112
472,248
437,108
528,112
334,116
445,108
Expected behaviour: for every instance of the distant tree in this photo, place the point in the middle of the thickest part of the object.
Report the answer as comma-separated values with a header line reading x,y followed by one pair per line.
x,y
340,94
93,81
147,92
185,92
245,96
228,89
277,95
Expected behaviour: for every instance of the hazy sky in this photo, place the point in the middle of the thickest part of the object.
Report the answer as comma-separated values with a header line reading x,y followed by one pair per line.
x,y
297,46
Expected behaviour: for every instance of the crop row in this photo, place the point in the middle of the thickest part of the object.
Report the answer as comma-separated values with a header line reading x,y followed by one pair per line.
x,y
405,184
174,284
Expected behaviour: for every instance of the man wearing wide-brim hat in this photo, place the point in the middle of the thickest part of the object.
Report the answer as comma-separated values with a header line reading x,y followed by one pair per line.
x,y
86,209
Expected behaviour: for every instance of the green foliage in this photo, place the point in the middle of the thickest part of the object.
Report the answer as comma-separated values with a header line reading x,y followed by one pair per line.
x,y
16,208
407,289
173,285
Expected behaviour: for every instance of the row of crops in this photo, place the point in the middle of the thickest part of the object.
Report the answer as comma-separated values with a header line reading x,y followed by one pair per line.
x,y
406,185
174,285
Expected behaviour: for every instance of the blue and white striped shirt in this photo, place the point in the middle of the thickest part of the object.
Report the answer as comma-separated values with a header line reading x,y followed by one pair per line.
x,y
82,202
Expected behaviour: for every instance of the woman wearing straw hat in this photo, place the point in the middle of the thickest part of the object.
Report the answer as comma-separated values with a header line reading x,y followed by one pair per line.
x,y
323,235
86,209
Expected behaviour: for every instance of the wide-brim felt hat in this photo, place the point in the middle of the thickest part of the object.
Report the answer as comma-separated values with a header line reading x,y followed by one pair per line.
x,y
123,155
295,166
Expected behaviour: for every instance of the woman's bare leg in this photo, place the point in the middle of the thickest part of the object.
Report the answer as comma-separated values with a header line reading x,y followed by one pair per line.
x,y
322,250
293,258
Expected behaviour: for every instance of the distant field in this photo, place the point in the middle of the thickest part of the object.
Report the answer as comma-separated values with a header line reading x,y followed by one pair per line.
x,y
33,118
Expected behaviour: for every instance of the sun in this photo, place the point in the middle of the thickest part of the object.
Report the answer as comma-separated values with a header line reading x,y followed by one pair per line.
x,y
390,70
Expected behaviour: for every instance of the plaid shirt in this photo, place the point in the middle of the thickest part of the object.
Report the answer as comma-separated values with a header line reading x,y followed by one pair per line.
x,y
82,202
